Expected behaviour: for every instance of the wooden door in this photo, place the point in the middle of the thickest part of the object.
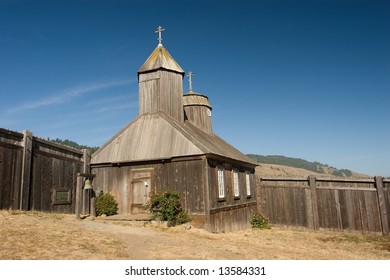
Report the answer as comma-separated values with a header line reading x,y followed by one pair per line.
x,y
141,189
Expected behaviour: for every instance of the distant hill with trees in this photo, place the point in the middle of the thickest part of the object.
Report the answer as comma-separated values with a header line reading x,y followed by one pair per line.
x,y
73,144
271,163
315,166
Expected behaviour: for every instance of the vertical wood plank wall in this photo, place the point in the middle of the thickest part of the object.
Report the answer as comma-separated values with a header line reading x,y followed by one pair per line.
x,y
31,173
341,204
230,213
194,178
161,91
170,175
11,157
33,169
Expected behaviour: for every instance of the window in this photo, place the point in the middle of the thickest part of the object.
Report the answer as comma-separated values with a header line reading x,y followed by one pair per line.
x,y
221,184
235,183
248,184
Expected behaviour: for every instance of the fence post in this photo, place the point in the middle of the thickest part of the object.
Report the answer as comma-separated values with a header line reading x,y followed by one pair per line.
x,y
93,207
26,171
382,204
314,205
78,193
86,193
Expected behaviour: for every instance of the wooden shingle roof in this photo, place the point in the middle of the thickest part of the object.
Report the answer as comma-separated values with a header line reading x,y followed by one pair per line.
x,y
192,98
157,136
160,59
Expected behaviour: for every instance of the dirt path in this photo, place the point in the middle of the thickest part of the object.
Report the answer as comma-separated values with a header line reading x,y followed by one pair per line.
x,y
29,235
138,240
186,242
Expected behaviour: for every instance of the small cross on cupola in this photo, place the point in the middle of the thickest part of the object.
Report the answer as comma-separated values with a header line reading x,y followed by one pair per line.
x,y
189,75
159,31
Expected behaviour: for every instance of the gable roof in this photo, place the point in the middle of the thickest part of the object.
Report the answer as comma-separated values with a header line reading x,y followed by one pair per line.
x,y
160,59
157,136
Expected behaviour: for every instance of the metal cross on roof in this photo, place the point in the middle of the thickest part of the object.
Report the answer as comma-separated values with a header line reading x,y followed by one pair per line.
x,y
159,30
189,75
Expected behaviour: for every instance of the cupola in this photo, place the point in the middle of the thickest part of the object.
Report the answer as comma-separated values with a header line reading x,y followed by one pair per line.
x,y
197,108
160,81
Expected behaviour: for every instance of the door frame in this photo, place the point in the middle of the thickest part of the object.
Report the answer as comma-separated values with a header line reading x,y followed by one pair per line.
x,y
139,175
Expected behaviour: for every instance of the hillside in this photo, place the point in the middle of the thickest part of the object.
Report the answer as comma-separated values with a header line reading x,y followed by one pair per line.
x,y
73,144
281,166
269,166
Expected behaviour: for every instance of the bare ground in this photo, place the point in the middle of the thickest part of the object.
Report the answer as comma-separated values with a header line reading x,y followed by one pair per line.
x,y
35,235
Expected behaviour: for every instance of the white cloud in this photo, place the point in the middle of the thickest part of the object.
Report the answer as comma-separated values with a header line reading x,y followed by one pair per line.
x,y
69,94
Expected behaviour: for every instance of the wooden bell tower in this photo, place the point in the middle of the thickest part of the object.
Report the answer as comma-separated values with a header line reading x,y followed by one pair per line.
x,y
161,83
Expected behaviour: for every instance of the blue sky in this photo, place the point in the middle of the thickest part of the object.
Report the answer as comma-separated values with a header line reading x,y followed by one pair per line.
x,y
306,79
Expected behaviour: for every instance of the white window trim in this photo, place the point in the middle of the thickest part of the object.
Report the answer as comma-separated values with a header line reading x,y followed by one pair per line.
x,y
236,185
221,183
248,184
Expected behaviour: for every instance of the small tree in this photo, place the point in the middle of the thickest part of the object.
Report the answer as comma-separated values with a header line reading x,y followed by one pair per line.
x,y
166,206
106,204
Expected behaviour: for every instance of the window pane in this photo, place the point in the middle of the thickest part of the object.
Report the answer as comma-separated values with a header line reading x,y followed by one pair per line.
x,y
248,185
221,185
235,182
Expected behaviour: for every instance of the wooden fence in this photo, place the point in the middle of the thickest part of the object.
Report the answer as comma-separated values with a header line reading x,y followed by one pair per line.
x,y
36,174
340,204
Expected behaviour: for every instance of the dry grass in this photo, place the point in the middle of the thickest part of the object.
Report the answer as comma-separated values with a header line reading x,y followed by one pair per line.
x,y
280,171
34,235
274,244
274,170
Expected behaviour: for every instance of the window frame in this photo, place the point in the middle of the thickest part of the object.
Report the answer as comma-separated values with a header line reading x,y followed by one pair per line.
x,y
221,182
236,183
248,184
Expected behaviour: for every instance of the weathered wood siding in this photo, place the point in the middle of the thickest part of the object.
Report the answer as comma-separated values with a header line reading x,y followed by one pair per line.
x,y
341,204
185,176
285,202
199,117
149,92
11,154
197,110
33,171
231,213
195,178
54,168
161,91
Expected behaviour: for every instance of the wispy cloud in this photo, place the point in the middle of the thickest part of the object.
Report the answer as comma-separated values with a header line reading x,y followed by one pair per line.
x,y
69,94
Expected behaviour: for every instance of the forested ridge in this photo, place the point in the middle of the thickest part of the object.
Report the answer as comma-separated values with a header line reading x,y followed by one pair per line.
x,y
301,163
269,159
73,144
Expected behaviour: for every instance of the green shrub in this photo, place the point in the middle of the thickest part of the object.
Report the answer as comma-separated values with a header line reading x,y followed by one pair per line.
x,y
259,221
106,204
166,206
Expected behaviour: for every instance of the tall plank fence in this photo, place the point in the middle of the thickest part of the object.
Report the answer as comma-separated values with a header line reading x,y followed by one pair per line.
x,y
340,204
36,174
